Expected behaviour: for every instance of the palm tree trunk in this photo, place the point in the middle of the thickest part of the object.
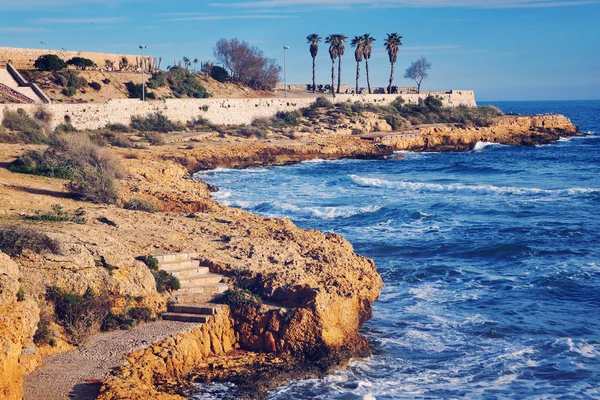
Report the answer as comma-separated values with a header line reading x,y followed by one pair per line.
x,y
391,79
368,81
339,74
357,75
314,77
333,77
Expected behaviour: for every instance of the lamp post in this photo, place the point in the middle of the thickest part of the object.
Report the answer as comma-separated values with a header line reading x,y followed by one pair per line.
x,y
285,49
142,47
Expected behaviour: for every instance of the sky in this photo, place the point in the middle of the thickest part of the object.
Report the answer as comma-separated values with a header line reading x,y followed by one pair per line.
x,y
502,49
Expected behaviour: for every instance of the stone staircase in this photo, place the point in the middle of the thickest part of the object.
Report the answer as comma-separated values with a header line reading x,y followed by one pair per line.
x,y
192,302
22,91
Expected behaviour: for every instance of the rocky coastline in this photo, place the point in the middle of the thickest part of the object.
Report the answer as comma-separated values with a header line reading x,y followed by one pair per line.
x,y
316,292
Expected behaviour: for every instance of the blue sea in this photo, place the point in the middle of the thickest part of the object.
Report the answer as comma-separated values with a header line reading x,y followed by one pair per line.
x,y
491,263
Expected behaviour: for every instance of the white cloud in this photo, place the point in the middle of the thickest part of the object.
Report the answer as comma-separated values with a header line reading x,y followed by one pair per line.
x,y
408,3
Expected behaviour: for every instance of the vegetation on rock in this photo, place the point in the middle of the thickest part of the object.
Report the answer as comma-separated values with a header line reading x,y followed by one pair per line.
x,y
50,62
57,214
165,282
15,239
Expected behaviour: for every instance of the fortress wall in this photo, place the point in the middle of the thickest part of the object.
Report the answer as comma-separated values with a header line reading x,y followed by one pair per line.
x,y
25,58
217,111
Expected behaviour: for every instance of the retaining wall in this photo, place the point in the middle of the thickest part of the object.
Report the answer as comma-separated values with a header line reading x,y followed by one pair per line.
x,y
217,111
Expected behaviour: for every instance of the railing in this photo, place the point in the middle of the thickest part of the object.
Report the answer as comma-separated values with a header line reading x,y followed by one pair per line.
x,y
22,82
15,95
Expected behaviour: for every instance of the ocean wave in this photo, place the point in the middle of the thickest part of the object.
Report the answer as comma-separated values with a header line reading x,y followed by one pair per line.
x,y
479,146
459,187
220,170
332,212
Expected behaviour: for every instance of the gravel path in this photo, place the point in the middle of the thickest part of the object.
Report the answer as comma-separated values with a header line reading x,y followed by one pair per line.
x,y
63,376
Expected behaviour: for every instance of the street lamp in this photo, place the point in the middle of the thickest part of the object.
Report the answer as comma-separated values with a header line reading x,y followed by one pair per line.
x,y
285,49
142,47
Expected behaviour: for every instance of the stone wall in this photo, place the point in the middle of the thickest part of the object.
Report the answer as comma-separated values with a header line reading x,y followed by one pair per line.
x,y
25,58
217,111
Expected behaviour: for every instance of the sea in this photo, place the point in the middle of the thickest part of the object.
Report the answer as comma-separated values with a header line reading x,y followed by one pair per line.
x,y
490,258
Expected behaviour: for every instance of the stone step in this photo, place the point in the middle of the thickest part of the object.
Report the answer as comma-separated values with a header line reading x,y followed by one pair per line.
x,y
179,265
202,279
171,258
188,272
205,288
193,309
180,298
181,317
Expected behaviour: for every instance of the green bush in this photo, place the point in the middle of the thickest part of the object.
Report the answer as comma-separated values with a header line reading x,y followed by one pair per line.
x,y
21,294
69,92
57,214
94,184
155,123
155,139
95,85
47,163
323,102
28,129
140,204
158,80
15,239
106,81
117,128
49,62
43,334
240,299
395,121
78,314
219,74
127,320
289,118
135,91
70,78
116,139
184,83
249,132
165,282
81,63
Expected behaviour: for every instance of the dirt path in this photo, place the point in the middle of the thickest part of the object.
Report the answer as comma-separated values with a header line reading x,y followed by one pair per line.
x,y
64,376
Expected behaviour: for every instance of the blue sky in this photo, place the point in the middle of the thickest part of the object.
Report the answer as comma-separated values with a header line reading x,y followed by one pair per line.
x,y
503,49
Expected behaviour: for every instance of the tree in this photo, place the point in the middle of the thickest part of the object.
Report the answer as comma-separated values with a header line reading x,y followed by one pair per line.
x,y
314,40
50,62
247,64
341,49
331,40
196,61
392,45
418,71
367,50
81,63
358,43
219,74
186,63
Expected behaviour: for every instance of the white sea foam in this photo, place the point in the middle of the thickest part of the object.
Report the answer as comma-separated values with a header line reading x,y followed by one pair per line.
x,y
479,146
459,187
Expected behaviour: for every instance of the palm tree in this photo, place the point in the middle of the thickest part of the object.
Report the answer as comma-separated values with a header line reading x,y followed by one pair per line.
x,y
359,43
392,45
186,62
196,61
341,49
314,40
332,40
367,50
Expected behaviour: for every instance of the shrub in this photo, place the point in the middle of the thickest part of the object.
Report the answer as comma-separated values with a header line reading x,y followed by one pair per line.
x,y
64,128
95,85
135,91
94,184
155,123
14,240
139,204
30,130
106,81
43,333
158,80
289,118
81,63
61,80
165,282
21,294
117,128
70,78
47,163
78,314
126,320
261,123
323,102
57,214
395,121
42,114
155,139
69,92
219,74
253,132
240,299
184,83
49,62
